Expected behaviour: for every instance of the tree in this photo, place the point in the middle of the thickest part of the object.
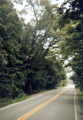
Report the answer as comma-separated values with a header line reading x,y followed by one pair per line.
x,y
10,39
24,67
36,37
55,72
72,41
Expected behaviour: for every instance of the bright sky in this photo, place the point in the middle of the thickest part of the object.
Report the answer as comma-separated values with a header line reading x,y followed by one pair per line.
x,y
59,2
29,16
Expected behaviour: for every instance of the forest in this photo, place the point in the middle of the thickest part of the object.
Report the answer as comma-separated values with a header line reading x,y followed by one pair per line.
x,y
32,54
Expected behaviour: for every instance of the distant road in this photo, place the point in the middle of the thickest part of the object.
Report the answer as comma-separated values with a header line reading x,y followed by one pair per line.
x,y
51,105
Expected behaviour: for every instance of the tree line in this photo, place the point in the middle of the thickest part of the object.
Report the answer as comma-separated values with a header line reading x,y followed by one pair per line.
x,y
27,65
71,44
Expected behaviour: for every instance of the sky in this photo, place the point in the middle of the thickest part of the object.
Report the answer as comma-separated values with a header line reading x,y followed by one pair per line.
x,y
29,16
57,1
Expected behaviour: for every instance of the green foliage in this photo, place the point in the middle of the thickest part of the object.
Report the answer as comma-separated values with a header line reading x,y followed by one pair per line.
x,y
71,43
11,28
7,101
55,73
62,83
24,68
80,97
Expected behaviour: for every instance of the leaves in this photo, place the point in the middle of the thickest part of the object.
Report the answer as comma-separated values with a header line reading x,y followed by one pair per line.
x,y
71,43
24,67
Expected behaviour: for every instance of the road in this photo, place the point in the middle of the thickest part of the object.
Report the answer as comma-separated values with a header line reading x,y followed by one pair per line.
x,y
51,105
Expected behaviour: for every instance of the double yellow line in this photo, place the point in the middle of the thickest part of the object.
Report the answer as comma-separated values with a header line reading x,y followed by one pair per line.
x,y
39,107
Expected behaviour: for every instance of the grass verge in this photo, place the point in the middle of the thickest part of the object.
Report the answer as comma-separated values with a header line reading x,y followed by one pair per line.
x,y
7,101
80,97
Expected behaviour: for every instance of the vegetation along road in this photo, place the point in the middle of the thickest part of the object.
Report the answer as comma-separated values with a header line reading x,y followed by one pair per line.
x,y
51,105
41,48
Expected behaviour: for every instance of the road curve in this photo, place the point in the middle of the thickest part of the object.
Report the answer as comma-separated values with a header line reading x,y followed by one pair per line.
x,y
51,105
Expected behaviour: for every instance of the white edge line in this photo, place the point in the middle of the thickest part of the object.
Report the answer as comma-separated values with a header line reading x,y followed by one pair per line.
x,y
75,106
14,104
28,99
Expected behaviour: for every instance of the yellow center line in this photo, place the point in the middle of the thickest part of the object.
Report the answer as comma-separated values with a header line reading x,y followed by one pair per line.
x,y
40,106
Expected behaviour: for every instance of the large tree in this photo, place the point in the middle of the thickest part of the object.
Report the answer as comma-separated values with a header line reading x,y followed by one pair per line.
x,y
24,67
10,39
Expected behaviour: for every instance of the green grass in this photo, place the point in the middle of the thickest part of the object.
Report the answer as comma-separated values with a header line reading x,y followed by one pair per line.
x,y
80,97
7,101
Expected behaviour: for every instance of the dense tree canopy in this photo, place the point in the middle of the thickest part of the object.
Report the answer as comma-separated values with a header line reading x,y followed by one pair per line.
x,y
10,38
24,67
72,37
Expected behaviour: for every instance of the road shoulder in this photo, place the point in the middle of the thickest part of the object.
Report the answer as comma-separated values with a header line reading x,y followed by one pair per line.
x,y
79,111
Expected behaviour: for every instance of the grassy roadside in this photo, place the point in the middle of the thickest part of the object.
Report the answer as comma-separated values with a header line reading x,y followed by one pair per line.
x,y
80,97
7,101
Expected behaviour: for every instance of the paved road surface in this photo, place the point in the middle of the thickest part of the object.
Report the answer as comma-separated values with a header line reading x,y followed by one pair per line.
x,y
51,105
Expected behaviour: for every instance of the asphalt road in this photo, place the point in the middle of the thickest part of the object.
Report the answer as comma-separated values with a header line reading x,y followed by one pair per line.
x,y
51,105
